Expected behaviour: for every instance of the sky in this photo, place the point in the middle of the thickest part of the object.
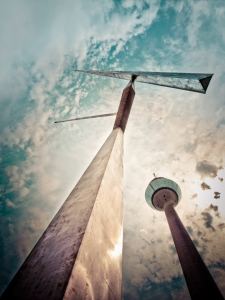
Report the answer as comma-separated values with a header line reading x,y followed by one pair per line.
x,y
173,133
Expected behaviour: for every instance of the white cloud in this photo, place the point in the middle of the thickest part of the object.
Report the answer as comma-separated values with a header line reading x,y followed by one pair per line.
x,y
9,203
169,131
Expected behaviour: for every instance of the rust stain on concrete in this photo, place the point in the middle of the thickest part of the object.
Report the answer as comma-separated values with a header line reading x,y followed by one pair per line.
x,y
125,106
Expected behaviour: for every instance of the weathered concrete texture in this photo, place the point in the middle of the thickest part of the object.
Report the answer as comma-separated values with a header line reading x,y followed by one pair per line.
x,y
97,273
125,106
84,238
199,280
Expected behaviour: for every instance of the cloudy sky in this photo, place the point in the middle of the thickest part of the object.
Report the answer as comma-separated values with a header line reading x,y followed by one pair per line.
x,y
173,133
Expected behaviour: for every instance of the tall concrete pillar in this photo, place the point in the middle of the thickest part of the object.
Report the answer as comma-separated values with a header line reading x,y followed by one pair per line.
x,y
79,256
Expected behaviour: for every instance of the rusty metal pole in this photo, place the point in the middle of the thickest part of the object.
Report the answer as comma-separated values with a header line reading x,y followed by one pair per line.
x,y
200,283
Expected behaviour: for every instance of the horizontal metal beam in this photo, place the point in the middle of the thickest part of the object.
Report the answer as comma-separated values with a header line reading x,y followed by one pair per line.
x,y
90,117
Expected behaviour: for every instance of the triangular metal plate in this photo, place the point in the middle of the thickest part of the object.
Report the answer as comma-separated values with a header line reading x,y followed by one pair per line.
x,y
195,82
205,82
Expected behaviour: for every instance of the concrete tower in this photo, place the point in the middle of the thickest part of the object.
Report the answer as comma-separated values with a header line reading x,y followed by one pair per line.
x,y
163,194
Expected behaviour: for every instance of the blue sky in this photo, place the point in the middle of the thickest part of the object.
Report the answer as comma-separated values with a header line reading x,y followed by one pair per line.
x,y
173,133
